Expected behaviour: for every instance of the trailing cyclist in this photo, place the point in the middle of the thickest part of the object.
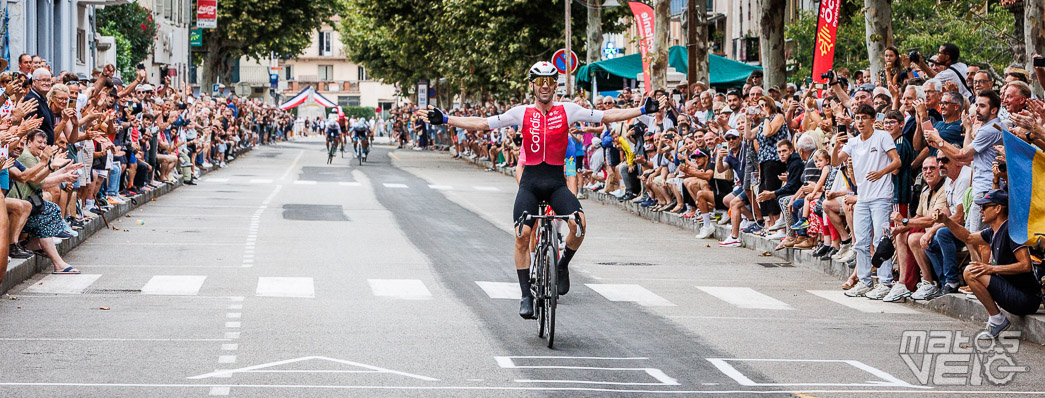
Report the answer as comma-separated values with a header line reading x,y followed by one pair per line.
x,y
544,126
333,137
361,138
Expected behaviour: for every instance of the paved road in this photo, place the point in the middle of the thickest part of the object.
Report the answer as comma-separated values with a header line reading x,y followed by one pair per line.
x,y
284,276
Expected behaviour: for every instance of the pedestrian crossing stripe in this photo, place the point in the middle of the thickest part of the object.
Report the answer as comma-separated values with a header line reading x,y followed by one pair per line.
x,y
415,289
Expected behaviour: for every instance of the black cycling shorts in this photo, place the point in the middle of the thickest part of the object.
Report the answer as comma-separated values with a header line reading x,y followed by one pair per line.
x,y
544,183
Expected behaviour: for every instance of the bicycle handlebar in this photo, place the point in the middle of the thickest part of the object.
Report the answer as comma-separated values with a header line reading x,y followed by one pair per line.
x,y
576,216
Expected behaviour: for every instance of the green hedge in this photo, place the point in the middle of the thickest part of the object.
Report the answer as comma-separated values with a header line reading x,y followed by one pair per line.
x,y
359,111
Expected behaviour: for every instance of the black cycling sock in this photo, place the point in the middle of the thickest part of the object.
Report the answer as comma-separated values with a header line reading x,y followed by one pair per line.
x,y
524,282
847,241
567,255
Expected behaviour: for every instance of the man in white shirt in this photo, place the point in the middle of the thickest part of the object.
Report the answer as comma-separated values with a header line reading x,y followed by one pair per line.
x,y
874,159
953,71
939,243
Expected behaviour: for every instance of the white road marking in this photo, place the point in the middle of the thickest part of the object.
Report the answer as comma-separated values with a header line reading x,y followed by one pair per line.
x,y
407,289
285,287
348,184
390,185
236,307
886,379
215,180
745,297
63,284
501,290
220,390
662,378
174,285
630,292
488,189
233,324
229,347
863,304
234,315
260,181
231,335
441,187
236,298
304,182
227,359
259,368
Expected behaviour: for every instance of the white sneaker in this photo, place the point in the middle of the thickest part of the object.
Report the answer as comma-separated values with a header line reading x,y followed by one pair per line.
x,y
843,251
858,291
780,224
706,232
926,291
744,223
730,242
849,256
880,290
899,292
724,219
779,234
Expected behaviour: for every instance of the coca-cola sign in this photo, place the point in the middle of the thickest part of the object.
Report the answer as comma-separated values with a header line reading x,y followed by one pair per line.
x,y
207,14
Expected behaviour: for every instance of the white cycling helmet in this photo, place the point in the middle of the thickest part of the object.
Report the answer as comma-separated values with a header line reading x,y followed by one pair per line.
x,y
543,68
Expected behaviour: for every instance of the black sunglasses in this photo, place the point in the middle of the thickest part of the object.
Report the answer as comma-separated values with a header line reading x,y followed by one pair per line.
x,y
730,138
944,160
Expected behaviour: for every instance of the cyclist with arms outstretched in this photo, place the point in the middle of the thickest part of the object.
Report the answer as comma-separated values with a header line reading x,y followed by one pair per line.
x,y
544,126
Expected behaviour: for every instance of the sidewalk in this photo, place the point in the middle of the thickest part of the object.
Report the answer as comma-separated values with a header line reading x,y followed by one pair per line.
x,y
19,270
954,305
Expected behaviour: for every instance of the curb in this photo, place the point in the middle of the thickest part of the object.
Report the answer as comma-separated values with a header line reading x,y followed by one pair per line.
x,y
954,305
21,270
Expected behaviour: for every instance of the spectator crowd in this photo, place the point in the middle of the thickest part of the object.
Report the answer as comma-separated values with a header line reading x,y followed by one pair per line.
x,y
901,176
73,146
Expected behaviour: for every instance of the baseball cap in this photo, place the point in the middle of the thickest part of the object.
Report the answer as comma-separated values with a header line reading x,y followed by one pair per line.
x,y
997,196
732,132
698,153
868,87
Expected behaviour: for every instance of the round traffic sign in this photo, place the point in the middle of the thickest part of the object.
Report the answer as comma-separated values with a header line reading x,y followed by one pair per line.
x,y
559,60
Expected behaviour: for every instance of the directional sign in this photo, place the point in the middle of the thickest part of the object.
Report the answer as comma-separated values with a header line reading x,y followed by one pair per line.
x,y
559,60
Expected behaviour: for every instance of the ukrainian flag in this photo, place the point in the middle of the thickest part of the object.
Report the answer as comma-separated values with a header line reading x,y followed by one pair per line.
x,y
1026,169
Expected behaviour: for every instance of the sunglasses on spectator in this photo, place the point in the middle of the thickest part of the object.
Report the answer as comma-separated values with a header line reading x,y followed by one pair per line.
x,y
731,138
943,160
949,103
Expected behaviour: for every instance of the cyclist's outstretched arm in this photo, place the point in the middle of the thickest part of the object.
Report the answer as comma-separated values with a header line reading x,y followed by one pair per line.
x,y
467,123
649,105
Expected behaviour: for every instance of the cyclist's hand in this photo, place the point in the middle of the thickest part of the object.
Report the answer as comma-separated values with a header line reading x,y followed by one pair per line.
x,y
649,105
433,115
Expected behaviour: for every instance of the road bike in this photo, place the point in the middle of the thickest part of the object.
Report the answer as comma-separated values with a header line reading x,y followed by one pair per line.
x,y
332,149
543,276
362,149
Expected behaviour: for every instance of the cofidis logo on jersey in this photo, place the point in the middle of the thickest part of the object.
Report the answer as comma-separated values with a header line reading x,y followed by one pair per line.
x,y
535,132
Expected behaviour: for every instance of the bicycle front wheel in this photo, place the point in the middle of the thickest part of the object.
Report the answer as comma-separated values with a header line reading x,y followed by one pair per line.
x,y
551,258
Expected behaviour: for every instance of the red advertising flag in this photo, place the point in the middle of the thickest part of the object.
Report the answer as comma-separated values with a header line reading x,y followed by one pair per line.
x,y
207,14
826,32
644,25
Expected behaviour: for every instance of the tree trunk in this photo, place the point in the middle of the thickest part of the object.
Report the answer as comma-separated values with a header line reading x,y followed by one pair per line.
x,y
697,43
878,31
1019,49
659,55
1034,35
594,35
218,62
771,44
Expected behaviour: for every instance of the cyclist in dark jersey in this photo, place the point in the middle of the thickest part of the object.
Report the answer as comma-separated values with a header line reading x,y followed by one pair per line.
x,y
544,127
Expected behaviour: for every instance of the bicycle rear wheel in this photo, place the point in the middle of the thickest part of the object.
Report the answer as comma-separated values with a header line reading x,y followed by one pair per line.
x,y
551,254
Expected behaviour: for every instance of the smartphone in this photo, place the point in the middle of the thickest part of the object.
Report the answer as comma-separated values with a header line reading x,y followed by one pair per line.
x,y
927,125
1039,62
72,103
809,81
141,66
841,128
820,86
879,117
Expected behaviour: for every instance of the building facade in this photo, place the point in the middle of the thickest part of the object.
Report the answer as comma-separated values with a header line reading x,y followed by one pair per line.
x,y
170,50
60,31
325,66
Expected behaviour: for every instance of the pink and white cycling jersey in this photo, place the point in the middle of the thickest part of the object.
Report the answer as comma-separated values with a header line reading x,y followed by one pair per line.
x,y
545,137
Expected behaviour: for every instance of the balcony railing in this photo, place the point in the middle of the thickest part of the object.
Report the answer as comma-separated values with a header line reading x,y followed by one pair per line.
x,y
346,86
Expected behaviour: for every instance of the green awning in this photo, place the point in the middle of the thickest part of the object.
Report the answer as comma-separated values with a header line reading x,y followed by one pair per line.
x,y
610,73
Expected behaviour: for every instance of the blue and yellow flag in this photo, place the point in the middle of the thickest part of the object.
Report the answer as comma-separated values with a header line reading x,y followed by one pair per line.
x,y
1026,169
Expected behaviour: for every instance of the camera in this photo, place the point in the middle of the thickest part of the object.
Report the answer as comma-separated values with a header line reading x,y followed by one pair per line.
x,y
1039,61
915,56
829,75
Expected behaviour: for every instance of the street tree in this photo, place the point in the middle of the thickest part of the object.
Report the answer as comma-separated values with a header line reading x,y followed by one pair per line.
x,y
771,44
658,56
258,28
878,31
